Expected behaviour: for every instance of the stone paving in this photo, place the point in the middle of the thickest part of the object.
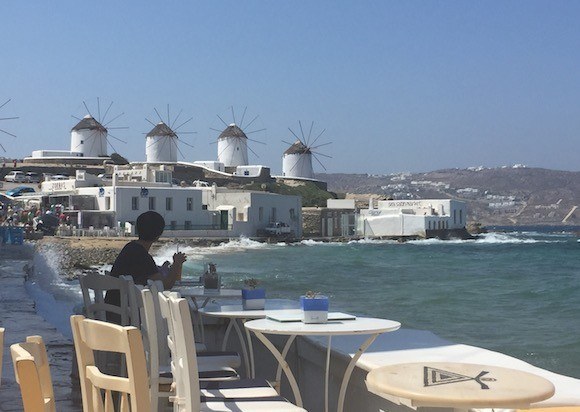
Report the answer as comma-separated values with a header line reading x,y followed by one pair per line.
x,y
18,316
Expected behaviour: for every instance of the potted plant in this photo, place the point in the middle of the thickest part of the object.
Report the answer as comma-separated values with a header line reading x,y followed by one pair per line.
x,y
314,307
211,279
253,298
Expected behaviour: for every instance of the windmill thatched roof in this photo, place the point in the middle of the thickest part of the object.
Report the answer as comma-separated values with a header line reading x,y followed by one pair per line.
x,y
298,148
232,131
89,123
161,129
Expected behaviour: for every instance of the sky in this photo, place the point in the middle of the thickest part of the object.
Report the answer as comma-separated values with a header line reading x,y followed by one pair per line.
x,y
393,86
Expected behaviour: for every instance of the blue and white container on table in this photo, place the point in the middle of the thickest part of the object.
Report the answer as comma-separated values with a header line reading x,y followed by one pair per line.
x,y
315,310
254,299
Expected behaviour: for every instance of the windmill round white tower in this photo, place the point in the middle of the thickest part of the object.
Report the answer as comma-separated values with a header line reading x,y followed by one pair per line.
x,y
162,141
233,146
297,159
161,144
89,137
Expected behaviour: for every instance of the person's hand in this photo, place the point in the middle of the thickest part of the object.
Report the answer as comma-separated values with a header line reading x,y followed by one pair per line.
x,y
179,258
164,268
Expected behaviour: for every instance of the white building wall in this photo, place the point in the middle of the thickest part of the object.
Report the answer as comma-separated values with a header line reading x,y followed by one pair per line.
x,y
210,164
160,149
411,217
249,171
54,153
91,143
297,165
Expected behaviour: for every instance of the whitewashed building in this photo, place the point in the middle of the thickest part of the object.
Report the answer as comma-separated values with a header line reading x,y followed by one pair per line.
x,y
188,211
412,218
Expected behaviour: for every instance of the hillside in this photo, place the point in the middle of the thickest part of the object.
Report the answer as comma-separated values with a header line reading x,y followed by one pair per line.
x,y
500,196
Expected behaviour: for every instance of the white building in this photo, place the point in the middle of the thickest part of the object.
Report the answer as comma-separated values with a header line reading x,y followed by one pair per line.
x,y
188,211
412,218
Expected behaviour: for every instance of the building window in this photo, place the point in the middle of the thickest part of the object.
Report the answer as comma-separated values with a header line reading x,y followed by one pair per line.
x,y
204,207
261,214
135,203
460,216
168,203
189,203
173,225
152,203
273,214
292,214
454,216
108,203
187,225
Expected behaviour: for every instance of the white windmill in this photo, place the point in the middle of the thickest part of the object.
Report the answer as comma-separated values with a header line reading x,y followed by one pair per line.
x,y
162,141
297,159
6,118
232,143
90,135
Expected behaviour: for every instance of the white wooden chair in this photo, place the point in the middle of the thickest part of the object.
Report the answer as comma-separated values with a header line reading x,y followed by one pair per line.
x,y
238,396
159,366
97,386
32,373
134,300
94,287
219,358
1,351
211,367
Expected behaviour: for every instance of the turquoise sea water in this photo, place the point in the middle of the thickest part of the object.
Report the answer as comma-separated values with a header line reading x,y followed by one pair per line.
x,y
516,293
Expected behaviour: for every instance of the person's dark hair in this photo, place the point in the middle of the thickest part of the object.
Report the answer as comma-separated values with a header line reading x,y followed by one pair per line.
x,y
150,225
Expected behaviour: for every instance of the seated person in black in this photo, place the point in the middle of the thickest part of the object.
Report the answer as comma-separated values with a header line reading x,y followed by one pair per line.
x,y
135,260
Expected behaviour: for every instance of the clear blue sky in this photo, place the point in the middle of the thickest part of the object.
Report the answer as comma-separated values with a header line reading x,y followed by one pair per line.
x,y
398,85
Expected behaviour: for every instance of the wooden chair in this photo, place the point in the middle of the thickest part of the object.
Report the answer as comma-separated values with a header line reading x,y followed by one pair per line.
x,y
1,351
211,370
159,377
135,302
237,396
97,387
94,287
32,373
219,358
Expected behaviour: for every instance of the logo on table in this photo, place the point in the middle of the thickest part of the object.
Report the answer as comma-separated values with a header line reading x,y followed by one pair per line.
x,y
435,377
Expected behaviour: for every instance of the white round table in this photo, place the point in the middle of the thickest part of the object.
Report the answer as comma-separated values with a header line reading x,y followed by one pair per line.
x,y
199,292
359,326
237,312
459,385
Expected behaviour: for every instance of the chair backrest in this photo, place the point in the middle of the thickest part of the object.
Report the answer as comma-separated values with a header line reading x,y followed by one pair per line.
x,y
1,351
156,286
32,373
94,287
97,386
183,356
135,301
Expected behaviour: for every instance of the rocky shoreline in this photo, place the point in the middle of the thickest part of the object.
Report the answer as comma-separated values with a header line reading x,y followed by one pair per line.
x,y
76,255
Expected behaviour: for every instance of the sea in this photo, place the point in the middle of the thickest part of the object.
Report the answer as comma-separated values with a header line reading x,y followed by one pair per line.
x,y
515,292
